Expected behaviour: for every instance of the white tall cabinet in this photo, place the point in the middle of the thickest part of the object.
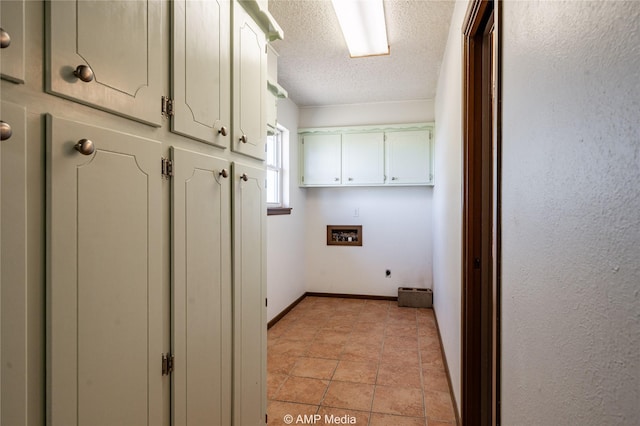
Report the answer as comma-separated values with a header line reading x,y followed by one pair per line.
x,y
133,223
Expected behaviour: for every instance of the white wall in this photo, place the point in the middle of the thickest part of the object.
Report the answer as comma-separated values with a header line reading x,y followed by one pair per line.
x,y
396,227
447,198
571,213
396,221
285,233
363,114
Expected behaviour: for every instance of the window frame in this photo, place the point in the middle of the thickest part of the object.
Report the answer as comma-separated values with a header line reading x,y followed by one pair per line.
x,y
278,208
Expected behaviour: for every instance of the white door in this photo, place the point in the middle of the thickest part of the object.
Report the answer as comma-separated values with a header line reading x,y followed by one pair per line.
x,y
249,85
104,283
322,160
249,294
409,157
201,73
13,268
116,46
201,302
12,34
363,158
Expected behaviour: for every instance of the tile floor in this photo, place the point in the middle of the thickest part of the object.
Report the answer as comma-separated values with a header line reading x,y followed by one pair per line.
x,y
368,360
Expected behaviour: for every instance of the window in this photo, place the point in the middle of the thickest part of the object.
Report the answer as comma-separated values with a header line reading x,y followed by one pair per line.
x,y
277,162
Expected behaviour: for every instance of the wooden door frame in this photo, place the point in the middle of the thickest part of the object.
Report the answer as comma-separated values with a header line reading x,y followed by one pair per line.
x,y
480,322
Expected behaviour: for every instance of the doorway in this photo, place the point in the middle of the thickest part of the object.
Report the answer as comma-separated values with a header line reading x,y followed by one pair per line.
x,y
480,402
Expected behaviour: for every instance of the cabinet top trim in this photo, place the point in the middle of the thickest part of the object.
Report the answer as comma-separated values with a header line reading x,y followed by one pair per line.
x,y
264,19
370,128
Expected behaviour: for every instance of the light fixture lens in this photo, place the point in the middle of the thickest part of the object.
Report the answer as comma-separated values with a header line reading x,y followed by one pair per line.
x,y
363,26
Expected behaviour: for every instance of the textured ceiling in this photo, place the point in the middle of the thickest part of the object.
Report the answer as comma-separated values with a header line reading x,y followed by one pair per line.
x,y
314,64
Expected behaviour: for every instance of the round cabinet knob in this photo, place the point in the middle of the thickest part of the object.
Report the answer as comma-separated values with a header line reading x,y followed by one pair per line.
x,y
224,173
84,73
244,138
5,131
394,178
244,177
350,179
336,179
85,147
223,132
5,39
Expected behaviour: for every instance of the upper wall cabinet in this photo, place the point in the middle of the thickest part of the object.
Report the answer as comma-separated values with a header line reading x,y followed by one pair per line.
x,y
363,158
321,158
389,155
201,70
12,40
408,157
107,55
249,85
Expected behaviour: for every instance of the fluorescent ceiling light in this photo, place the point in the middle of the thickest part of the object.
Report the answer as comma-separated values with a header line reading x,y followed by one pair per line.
x,y
363,26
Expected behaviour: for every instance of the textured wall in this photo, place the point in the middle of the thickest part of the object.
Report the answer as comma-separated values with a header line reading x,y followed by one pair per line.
x,y
447,199
571,213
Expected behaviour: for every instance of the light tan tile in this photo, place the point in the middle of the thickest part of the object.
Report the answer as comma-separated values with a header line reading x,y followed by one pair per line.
x,y
398,375
361,352
438,406
398,401
353,396
401,342
403,357
316,368
378,419
303,390
274,381
325,350
435,379
289,347
280,364
431,358
277,410
356,371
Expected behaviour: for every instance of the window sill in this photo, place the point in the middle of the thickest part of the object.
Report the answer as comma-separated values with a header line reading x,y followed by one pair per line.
x,y
273,211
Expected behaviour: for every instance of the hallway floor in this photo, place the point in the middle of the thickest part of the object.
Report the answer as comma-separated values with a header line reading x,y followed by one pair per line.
x,y
368,360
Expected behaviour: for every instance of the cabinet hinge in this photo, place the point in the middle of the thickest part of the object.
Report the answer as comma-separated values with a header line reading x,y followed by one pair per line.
x,y
167,106
265,301
302,179
167,168
167,364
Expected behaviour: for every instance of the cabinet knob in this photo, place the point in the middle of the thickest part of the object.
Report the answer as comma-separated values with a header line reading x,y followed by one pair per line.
x,y
336,179
224,173
84,73
244,177
394,178
5,131
223,132
350,179
244,138
85,147
5,39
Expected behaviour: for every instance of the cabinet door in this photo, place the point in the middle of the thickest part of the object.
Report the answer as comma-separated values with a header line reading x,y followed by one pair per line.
x,y
201,299
13,268
201,70
249,295
120,42
321,158
12,24
362,158
409,158
104,283
249,85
